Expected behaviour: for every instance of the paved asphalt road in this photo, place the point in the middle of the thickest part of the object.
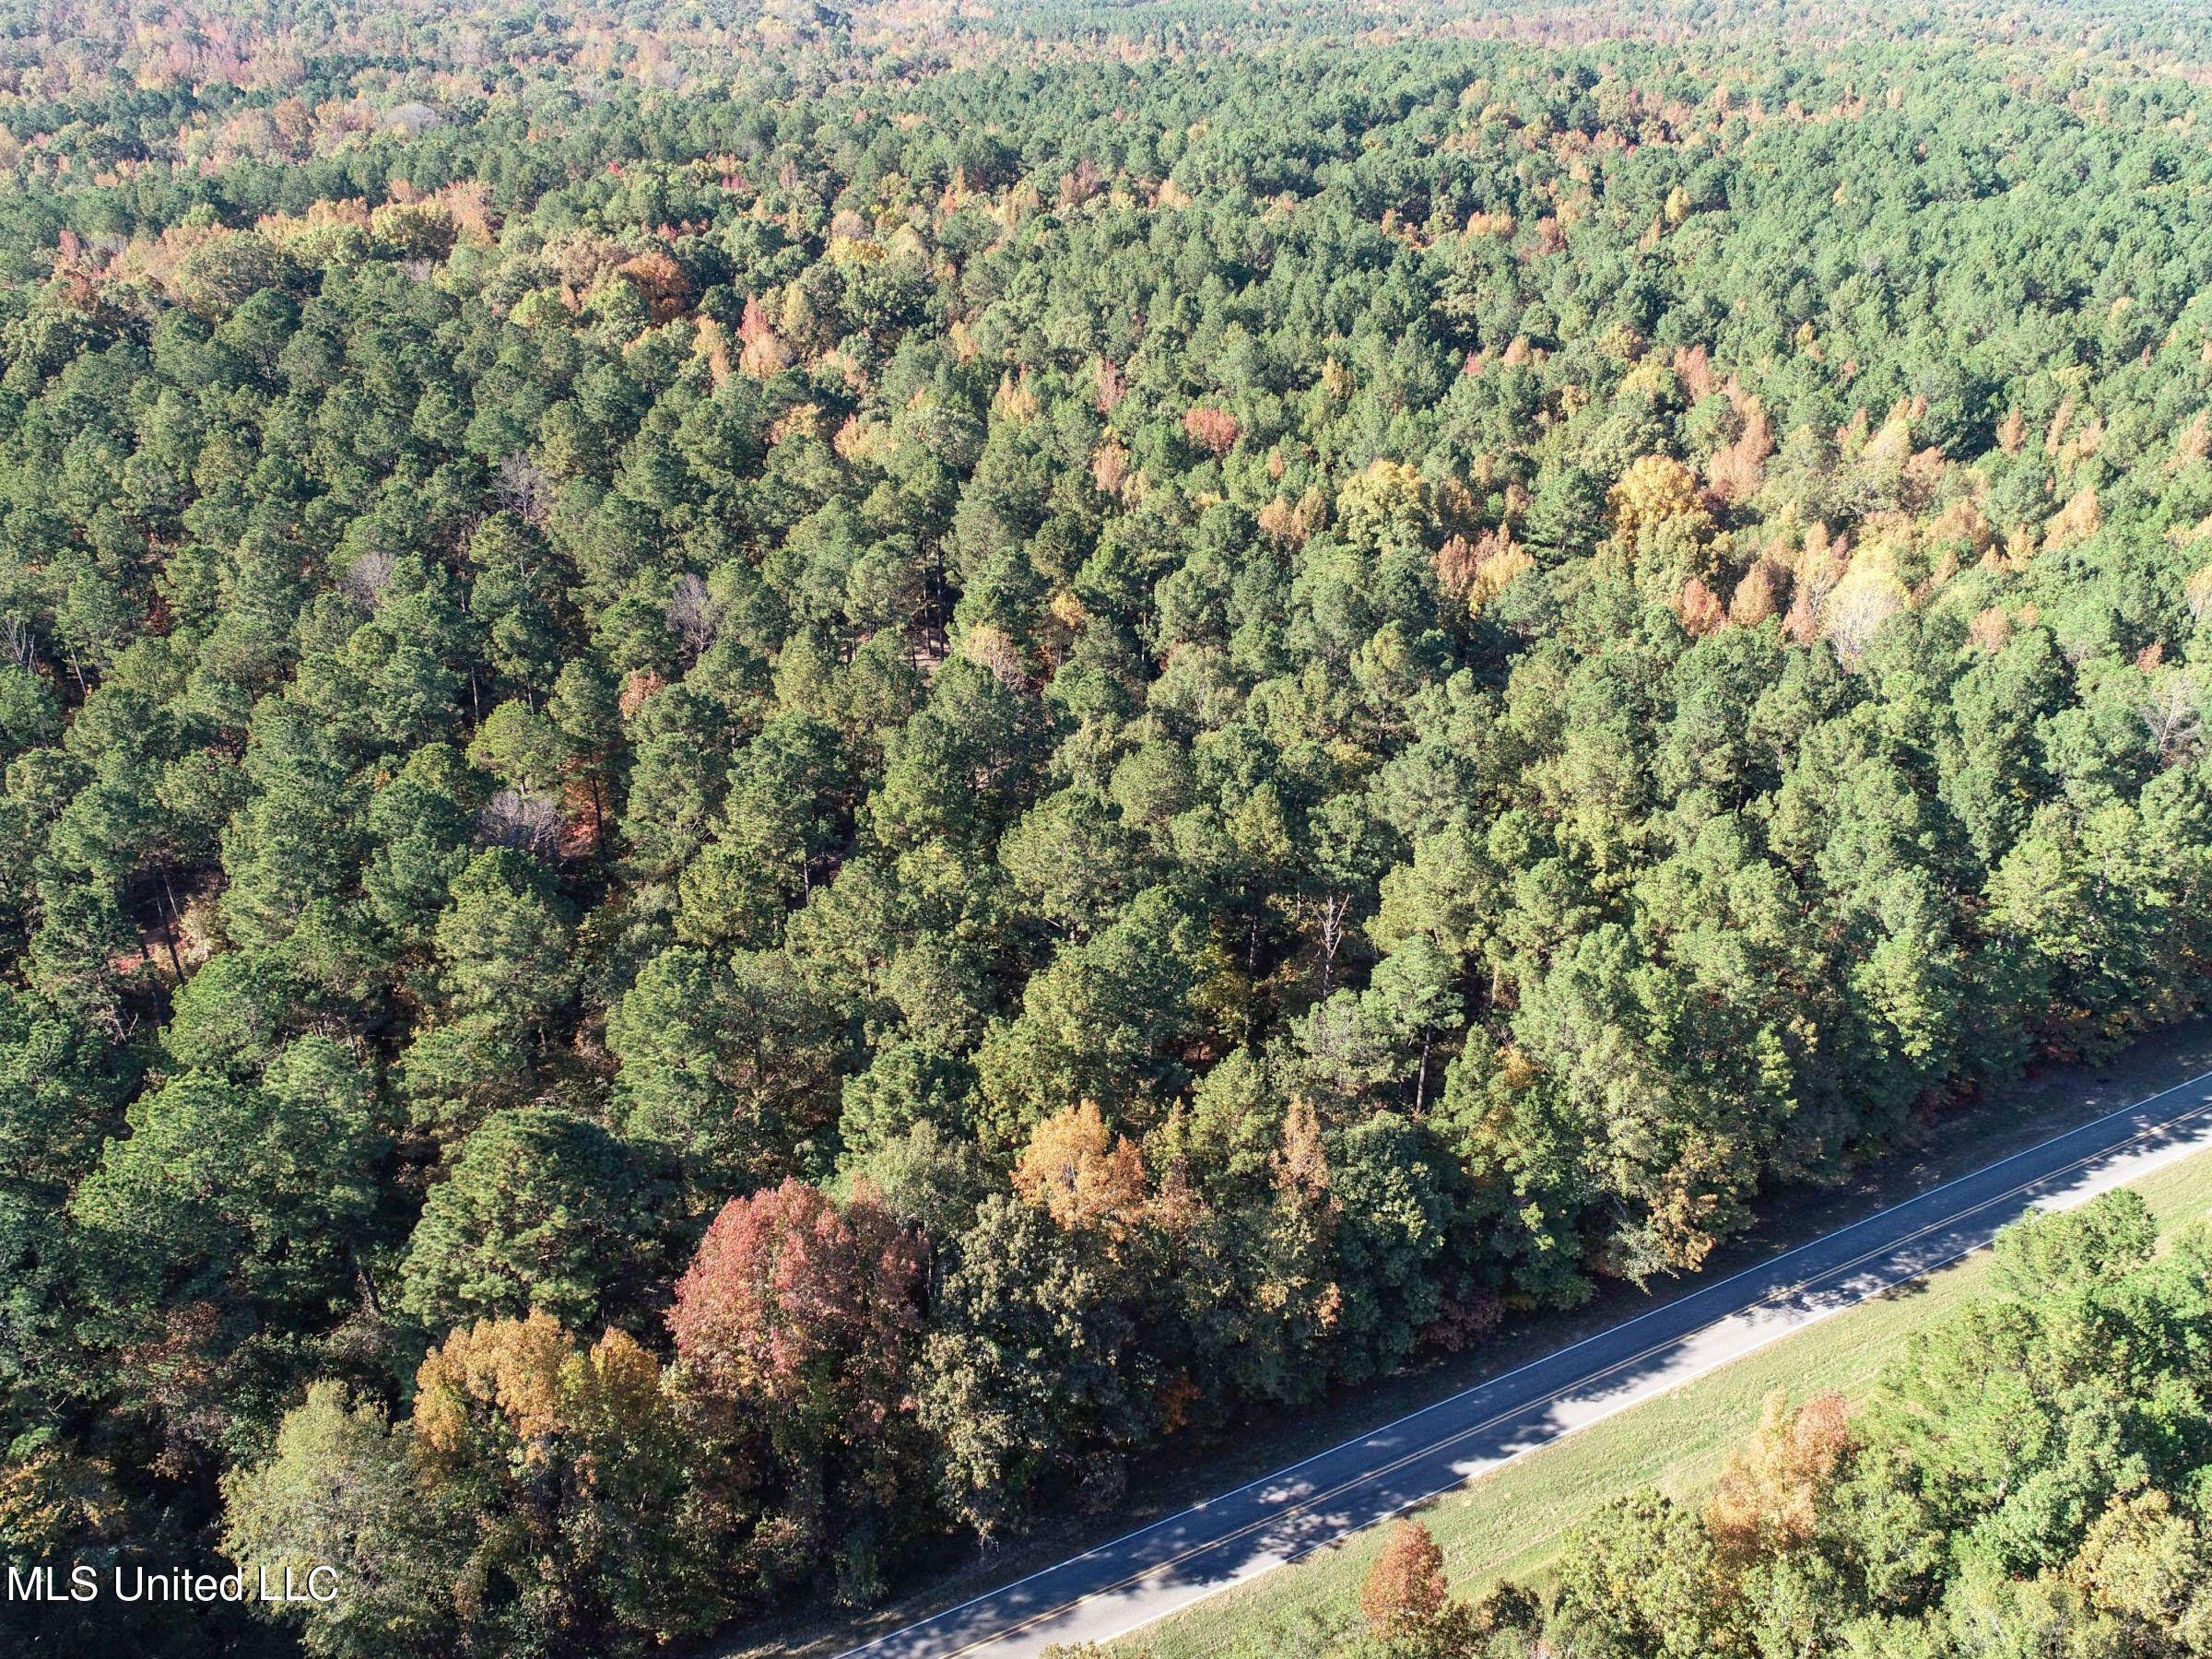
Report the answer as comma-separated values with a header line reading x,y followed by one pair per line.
x,y
1150,1573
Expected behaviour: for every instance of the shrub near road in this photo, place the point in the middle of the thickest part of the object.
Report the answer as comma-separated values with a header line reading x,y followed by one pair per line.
x,y
770,785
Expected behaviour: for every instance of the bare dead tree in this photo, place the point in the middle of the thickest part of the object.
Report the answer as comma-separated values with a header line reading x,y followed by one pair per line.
x,y
692,614
1853,613
1335,912
365,578
528,823
525,489
21,643
2171,717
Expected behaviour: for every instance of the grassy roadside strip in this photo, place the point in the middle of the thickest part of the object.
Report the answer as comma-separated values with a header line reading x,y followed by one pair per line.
x,y
1509,1524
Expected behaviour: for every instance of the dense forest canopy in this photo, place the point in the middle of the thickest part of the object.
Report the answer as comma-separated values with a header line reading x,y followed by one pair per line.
x,y
775,780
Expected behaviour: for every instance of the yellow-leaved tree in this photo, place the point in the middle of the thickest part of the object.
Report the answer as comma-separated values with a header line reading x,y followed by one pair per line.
x,y
1769,1494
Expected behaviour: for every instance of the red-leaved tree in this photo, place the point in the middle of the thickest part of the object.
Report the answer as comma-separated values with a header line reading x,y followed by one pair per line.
x,y
1406,1596
805,1318
806,1311
1216,430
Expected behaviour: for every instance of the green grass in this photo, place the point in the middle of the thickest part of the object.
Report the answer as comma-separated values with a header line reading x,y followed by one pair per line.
x,y
1509,1524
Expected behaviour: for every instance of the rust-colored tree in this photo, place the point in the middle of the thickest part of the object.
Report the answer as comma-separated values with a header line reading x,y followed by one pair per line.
x,y
1738,468
1769,1494
805,1309
1214,430
800,1322
1700,609
663,285
1081,1175
1408,1604
1758,594
1405,1588
764,354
